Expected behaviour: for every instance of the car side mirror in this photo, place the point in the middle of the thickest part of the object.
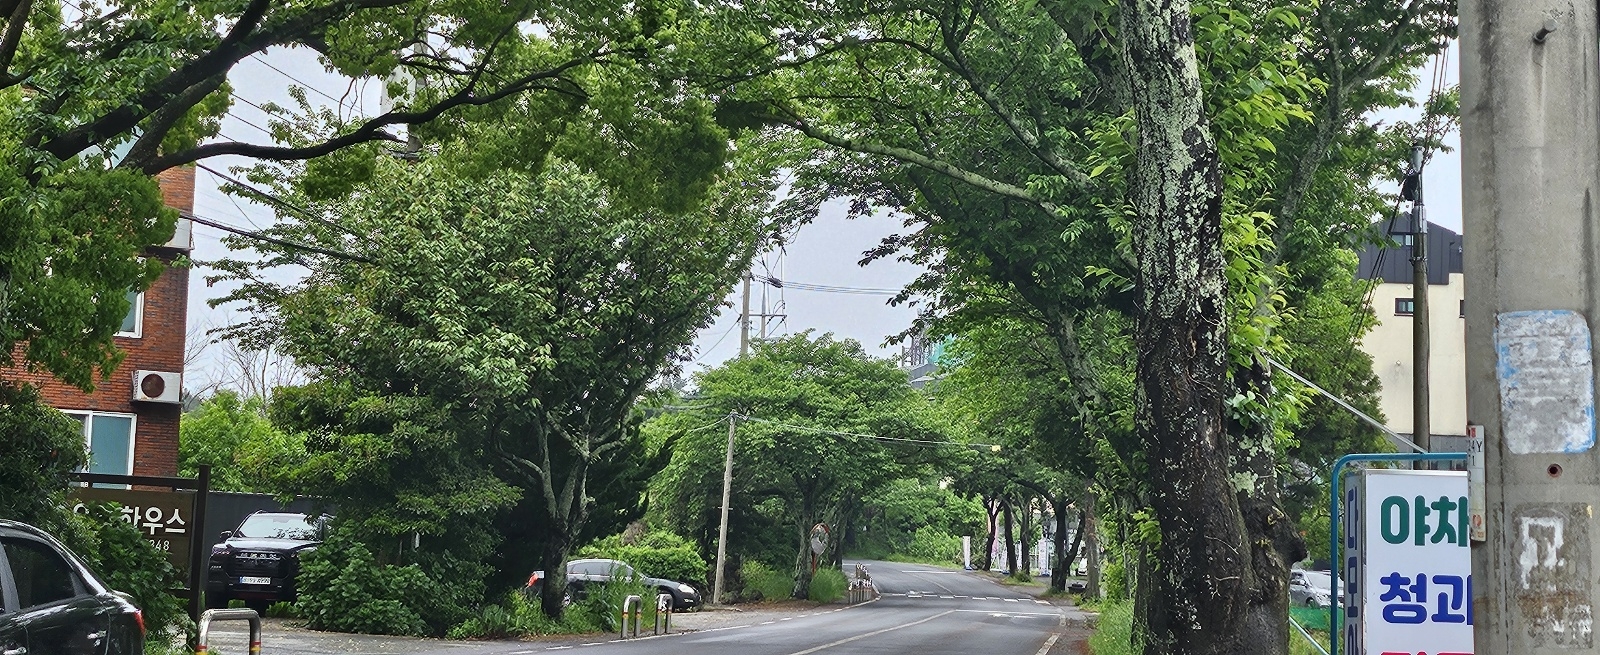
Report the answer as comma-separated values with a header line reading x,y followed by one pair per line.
x,y
226,534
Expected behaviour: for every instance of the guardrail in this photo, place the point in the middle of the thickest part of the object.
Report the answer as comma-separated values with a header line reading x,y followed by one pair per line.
x,y
208,616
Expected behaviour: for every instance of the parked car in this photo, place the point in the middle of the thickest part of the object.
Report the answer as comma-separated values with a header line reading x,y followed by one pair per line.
x,y
583,572
51,603
257,562
1313,589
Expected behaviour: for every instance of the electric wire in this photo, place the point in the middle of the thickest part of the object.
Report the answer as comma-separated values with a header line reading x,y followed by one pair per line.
x,y
837,433
251,234
354,109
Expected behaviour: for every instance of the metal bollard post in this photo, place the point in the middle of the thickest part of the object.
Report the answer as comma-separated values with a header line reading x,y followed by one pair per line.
x,y
663,614
208,616
632,603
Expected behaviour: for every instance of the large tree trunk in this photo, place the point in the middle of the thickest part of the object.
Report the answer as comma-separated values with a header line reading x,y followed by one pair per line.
x,y
1025,539
552,596
1011,538
1066,558
1196,595
1275,541
1091,537
993,508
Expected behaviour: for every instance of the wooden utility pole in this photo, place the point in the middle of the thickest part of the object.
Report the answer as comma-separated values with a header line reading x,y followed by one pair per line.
x,y
1420,342
744,319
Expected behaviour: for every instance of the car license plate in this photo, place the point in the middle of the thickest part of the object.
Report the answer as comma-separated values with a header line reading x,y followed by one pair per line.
x,y
253,580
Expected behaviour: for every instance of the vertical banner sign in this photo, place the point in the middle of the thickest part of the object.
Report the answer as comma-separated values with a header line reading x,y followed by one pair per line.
x,y
1350,570
966,552
1476,491
1415,587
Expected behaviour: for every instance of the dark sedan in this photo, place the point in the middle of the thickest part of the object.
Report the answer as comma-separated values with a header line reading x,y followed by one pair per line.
x,y
584,572
51,603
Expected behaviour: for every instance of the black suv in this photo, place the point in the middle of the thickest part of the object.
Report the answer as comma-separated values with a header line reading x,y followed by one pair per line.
x,y
50,602
257,561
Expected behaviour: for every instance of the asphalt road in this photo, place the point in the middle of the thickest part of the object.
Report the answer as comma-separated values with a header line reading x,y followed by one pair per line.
x,y
924,610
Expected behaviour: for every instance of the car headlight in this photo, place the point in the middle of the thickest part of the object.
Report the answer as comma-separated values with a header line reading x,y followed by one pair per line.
x,y
685,588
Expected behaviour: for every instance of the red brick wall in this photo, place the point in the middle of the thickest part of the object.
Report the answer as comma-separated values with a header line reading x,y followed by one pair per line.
x,y
158,348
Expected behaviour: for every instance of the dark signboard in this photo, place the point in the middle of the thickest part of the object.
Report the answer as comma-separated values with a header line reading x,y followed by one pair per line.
x,y
165,518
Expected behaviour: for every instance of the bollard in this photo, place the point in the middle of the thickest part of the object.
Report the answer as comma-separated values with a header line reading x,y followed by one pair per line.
x,y
663,614
208,616
631,602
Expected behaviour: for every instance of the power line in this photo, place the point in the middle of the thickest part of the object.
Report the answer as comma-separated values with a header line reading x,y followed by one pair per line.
x,y
825,288
837,433
274,199
353,104
336,254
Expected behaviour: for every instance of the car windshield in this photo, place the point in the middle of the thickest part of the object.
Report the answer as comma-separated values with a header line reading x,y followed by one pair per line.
x,y
277,526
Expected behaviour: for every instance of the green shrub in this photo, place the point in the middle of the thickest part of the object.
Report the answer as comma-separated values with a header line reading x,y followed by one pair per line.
x,y
827,585
1114,580
764,583
1114,633
282,610
119,554
933,545
656,554
235,604
343,589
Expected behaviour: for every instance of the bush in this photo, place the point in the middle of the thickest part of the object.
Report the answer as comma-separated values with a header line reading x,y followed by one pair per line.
x,y
119,554
1114,634
519,615
282,610
764,583
343,589
656,554
933,545
828,585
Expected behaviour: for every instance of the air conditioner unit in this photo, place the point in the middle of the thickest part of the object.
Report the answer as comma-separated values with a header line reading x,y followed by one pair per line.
x,y
158,387
182,236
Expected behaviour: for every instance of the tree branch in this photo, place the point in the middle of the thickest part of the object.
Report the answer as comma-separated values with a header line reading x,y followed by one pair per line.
x,y
915,158
12,37
372,129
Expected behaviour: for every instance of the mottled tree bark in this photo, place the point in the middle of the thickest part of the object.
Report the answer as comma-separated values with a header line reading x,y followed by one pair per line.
x,y
1275,541
1011,537
1195,597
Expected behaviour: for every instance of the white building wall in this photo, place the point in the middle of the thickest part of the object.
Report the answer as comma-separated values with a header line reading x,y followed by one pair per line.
x,y
1389,344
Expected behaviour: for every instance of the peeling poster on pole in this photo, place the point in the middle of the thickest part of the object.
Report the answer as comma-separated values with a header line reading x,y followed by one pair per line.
x,y
1546,378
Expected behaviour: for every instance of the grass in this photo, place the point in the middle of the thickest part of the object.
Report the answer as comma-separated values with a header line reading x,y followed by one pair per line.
x,y
1114,633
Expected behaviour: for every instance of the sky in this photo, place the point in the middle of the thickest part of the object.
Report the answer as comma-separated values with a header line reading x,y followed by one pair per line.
x,y
824,253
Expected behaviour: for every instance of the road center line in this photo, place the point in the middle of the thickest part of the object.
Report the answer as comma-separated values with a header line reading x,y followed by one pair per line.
x,y
874,633
1010,613
1045,649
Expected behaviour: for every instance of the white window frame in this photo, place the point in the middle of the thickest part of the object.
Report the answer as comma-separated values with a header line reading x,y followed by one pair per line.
x,y
88,431
138,318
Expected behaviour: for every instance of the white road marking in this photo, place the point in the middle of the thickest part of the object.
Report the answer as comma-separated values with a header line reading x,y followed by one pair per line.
x,y
994,613
767,623
933,571
1009,600
947,597
553,648
789,618
1045,649
847,640
1042,602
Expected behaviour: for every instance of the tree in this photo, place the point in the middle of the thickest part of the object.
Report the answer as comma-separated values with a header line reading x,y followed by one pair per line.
x,y
814,416
234,437
1097,116
531,309
95,99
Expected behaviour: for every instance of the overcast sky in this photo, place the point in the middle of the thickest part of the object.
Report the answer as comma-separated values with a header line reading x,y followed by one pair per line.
x,y
823,253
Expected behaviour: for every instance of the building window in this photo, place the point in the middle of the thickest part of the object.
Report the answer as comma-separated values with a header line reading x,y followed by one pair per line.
x,y
1463,309
133,323
1404,306
110,441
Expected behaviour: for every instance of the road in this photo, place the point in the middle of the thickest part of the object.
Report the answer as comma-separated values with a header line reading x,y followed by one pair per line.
x,y
924,610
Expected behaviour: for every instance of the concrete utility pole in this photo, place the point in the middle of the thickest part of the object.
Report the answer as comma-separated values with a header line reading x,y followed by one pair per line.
x,y
744,319
1529,97
727,488
1420,341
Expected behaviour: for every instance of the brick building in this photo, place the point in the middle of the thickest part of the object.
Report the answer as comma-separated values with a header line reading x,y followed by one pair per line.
x,y
130,422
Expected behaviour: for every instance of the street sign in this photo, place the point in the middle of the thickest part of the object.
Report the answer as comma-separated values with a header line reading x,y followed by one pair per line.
x,y
164,518
1411,591
819,539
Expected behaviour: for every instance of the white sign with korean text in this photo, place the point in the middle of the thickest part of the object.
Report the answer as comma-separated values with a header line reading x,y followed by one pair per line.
x,y
1416,587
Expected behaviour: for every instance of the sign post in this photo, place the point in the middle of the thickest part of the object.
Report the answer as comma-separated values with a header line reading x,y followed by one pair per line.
x,y
1411,590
